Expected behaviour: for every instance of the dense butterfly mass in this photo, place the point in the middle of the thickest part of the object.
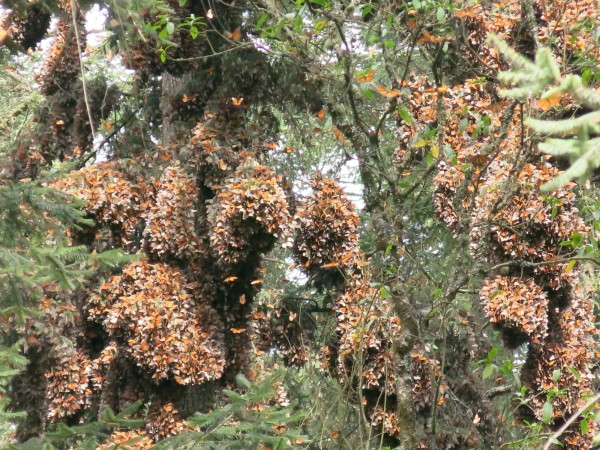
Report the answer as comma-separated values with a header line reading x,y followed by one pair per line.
x,y
327,246
170,224
134,440
542,297
153,313
69,386
327,231
247,215
185,176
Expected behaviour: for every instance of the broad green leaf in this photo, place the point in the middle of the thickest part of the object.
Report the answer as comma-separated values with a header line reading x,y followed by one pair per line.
x,y
404,116
584,426
440,14
320,25
487,371
429,160
547,412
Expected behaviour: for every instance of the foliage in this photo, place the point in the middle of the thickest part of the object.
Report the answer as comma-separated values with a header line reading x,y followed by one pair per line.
x,y
36,252
543,79
86,436
263,415
225,159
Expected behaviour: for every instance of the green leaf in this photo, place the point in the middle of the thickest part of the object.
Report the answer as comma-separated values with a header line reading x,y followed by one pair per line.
x,y
487,371
575,373
170,27
584,426
320,25
429,160
556,375
367,93
419,144
404,116
586,76
440,14
450,154
547,412
261,21
194,32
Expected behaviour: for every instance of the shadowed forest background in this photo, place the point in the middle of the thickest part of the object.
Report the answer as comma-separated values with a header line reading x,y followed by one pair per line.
x,y
299,224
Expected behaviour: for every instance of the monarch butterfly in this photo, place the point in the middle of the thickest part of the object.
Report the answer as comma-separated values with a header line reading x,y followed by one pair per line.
x,y
478,160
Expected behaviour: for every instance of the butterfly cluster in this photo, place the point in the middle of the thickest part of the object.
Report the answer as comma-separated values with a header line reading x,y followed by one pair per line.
x,y
488,185
326,245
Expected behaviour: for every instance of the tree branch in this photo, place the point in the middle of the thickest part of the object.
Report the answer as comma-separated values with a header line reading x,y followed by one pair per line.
x,y
568,423
523,264
80,50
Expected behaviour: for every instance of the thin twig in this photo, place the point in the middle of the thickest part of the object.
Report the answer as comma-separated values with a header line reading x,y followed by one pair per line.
x,y
404,194
213,55
79,49
108,138
522,263
498,390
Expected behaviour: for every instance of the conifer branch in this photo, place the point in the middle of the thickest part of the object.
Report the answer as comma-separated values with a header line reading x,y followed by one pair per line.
x,y
542,78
